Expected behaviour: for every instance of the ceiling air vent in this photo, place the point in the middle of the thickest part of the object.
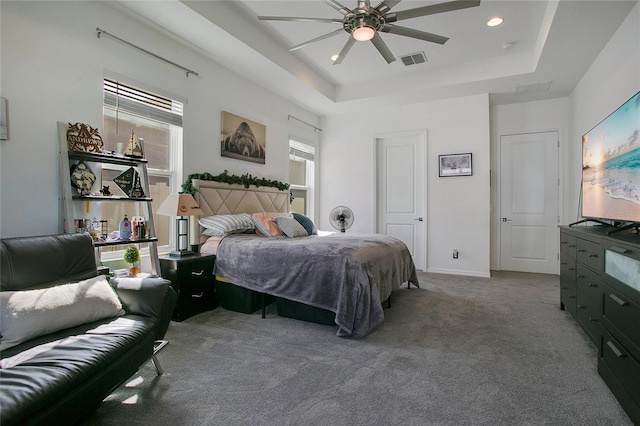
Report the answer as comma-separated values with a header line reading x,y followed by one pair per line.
x,y
533,88
414,58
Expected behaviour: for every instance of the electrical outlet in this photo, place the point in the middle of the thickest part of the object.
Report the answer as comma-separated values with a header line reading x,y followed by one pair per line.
x,y
455,253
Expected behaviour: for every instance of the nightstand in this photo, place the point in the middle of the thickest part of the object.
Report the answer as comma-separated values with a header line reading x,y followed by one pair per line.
x,y
192,278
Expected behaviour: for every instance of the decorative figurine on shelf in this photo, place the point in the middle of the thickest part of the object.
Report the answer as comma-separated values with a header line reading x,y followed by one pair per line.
x,y
84,138
105,191
125,228
82,178
134,147
132,256
129,182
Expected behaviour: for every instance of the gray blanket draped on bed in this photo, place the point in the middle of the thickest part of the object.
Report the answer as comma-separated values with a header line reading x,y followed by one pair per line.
x,y
349,274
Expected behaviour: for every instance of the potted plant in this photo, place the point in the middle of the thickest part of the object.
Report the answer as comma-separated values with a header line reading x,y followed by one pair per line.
x,y
132,256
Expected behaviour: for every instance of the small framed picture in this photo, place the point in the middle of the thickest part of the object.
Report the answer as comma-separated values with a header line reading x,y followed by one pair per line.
x,y
455,165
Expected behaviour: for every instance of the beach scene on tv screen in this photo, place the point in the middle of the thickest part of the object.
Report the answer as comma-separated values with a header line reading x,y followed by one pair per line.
x,y
611,166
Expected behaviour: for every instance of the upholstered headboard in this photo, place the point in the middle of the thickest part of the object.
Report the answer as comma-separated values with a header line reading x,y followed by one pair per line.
x,y
223,198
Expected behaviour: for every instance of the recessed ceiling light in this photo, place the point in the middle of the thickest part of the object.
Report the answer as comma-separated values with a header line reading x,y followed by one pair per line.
x,y
334,57
495,21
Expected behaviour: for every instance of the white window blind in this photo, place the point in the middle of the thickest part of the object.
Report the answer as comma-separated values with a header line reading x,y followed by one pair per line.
x,y
301,150
139,102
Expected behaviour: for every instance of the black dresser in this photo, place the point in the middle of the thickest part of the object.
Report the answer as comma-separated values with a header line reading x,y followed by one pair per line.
x,y
600,287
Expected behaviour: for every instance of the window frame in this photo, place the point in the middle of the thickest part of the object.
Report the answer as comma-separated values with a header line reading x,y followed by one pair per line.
x,y
175,151
302,150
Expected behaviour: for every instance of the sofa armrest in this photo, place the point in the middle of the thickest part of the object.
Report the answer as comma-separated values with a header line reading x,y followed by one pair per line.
x,y
150,296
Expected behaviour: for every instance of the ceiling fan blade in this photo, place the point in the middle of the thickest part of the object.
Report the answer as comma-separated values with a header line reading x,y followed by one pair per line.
x,y
337,6
386,5
431,10
299,19
347,47
382,48
410,32
313,40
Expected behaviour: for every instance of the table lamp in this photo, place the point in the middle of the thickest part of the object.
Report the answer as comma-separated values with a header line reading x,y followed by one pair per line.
x,y
182,206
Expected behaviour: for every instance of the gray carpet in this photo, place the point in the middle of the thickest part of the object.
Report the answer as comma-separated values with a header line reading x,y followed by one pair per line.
x,y
458,351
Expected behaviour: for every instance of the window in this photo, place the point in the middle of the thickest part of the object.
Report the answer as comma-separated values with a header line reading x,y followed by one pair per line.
x,y
158,121
301,177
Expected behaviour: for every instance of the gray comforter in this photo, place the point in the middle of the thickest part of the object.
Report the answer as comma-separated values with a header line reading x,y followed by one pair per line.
x,y
349,274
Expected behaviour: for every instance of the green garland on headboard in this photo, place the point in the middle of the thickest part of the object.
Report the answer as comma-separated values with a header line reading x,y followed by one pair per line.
x,y
246,180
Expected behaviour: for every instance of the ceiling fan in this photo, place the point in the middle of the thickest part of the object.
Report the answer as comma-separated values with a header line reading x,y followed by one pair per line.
x,y
364,23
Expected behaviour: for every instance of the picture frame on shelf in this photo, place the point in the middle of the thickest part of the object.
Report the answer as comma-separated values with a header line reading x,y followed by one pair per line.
x,y
455,165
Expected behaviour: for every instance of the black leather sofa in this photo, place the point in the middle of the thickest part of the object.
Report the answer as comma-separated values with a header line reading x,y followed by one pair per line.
x,y
61,377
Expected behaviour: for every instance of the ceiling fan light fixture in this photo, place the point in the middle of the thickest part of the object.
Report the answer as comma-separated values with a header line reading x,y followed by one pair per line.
x,y
363,33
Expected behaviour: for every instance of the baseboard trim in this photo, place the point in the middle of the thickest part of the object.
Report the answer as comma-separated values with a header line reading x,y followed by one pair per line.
x,y
458,272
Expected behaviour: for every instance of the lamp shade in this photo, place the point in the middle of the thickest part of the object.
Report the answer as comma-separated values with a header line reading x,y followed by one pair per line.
x,y
180,205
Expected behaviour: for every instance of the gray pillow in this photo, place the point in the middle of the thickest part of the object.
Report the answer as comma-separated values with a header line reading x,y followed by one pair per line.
x,y
31,313
290,227
307,223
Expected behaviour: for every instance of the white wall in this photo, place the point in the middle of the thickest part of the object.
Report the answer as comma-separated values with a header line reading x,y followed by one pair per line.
x,y
527,117
52,69
612,79
458,208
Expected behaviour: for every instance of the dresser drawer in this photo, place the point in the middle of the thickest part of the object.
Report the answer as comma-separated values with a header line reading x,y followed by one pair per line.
x,y
589,253
568,298
567,270
624,368
589,282
568,284
588,315
622,267
568,244
196,270
622,313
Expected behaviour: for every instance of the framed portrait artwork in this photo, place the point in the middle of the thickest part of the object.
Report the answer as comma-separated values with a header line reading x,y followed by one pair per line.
x,y
455,165
242,139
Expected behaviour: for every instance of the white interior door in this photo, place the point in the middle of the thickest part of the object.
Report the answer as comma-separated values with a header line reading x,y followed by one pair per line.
x,y
529,212
401,191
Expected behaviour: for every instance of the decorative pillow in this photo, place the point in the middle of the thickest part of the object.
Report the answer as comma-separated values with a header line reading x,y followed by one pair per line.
x,y
290,227
223,224
307,223
265,225
32,313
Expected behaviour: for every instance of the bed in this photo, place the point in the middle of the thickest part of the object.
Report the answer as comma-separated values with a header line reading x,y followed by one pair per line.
x,y
348,274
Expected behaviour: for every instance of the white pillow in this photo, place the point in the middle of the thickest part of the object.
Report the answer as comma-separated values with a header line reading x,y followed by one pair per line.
x,y
223,224
32,313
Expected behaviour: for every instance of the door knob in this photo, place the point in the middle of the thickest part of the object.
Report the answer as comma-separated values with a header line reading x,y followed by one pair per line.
x,y
504,219
420,219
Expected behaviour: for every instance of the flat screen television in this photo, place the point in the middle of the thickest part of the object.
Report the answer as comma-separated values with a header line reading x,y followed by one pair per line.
x,y
611,166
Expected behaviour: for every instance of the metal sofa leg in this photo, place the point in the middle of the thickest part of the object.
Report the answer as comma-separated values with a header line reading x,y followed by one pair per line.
x,y
157,366
157,347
